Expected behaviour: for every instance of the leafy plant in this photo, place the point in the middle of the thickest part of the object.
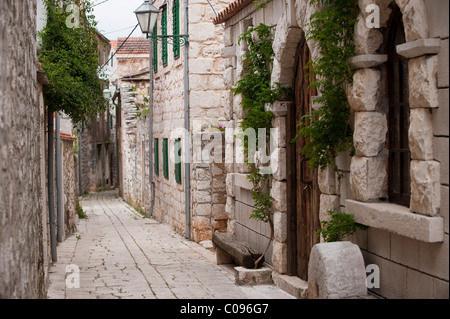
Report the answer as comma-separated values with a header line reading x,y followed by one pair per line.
x,y
327,130
257,90
80,212
340,225
69,55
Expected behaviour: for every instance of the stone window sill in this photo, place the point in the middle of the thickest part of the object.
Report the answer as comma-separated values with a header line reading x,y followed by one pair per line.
x,y
398,220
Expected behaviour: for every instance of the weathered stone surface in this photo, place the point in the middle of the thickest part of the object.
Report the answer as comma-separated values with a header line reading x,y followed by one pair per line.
x,y
291,284
369,134
368,177
425,187
229,207
367,60
364,94
278,164
251,277
418,48
328,203
279,257
423,90
421,134
230,185
336,270
280,226
415,19
279,193
367,40
397,219
327,180
279,108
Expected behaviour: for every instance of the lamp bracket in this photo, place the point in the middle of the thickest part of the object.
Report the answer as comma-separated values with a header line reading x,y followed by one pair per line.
x,y
181,39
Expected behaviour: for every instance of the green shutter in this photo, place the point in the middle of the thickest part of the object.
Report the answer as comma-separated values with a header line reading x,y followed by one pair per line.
x,y
155,49
156,152
178,160
166,158
176,28
164,32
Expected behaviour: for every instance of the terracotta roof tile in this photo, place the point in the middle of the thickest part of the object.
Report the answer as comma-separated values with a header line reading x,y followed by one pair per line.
x,y
133,46
232,9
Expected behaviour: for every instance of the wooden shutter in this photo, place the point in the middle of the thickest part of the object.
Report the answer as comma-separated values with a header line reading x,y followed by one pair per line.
x,y
166,158
176,28
178,161
156,155
164,32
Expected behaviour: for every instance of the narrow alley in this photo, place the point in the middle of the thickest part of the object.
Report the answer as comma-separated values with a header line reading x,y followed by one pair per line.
x,y
121,254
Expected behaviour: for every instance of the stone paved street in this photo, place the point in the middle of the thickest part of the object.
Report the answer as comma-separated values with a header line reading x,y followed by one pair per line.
x,y
121,254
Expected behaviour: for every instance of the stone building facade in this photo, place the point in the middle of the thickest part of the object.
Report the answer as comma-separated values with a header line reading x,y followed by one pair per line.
x,y
407,237
22,147
207,93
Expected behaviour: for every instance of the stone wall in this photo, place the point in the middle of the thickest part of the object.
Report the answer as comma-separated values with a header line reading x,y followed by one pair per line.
x,y
409,244
21,192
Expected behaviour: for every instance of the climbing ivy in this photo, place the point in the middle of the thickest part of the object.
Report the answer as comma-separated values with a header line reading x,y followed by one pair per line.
x,y
327,130
256,90
69,55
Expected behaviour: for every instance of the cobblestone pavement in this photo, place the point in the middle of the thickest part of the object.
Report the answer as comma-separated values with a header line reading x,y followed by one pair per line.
x,y
121,254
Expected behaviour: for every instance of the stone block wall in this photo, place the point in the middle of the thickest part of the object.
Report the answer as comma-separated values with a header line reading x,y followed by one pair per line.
x,y
21,177
413,258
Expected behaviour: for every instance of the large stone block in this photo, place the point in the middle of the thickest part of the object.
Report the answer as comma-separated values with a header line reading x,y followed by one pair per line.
x,y
328,203
415,20
367,40
280,226
336,270
423,90
279,195
369,134
425,187
278,164
368,177
279,257
421,134
327,180
365,90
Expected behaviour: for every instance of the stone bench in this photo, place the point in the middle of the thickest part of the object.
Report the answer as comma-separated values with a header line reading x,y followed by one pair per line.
x,y
229,249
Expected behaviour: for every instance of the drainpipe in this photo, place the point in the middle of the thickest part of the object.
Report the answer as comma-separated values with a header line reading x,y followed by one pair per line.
x,y
117,134
59,213
187,146
80,182
51,194
150,138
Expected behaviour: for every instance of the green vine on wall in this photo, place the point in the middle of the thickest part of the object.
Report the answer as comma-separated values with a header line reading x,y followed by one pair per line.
x,y
327,130
256,90
69,55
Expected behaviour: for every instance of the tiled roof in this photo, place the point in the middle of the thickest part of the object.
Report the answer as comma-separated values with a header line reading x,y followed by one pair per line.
x,y
232,9
133,46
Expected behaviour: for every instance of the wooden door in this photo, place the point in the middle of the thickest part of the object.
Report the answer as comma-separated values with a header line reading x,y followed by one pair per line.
x,y
307,193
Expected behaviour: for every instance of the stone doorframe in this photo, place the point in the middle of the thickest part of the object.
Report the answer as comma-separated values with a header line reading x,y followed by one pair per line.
x,y
368,169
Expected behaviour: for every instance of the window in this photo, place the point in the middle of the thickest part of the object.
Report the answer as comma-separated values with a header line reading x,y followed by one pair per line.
x,y
156,154
164,32
165,158
155,49
178,161
399,188
176,28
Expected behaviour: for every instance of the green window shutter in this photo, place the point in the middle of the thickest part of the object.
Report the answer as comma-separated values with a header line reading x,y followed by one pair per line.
x,y
178,161
176,27
164,32
166,158
156,152
155,49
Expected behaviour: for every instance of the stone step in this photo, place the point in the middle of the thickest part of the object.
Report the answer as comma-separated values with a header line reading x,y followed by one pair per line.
x,y
291,284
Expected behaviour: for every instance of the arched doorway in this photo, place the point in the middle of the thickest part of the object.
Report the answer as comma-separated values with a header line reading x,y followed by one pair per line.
x,y
303,190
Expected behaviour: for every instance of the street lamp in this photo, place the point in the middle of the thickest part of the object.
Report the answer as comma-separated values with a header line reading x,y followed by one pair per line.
x,y
107,94
147,15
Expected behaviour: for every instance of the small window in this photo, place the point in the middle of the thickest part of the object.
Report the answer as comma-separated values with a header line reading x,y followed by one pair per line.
x,y
164,32
399,187
156,155
166,158
178,161
176,28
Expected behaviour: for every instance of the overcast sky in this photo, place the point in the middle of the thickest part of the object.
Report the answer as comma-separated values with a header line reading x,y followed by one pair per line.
x,y
114,15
